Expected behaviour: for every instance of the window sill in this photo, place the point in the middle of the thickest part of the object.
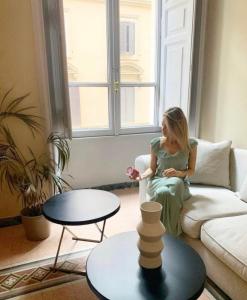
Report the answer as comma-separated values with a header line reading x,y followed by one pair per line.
x,y
122,135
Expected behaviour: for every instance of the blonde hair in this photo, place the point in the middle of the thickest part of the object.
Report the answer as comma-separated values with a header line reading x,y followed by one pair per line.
x,y
177,125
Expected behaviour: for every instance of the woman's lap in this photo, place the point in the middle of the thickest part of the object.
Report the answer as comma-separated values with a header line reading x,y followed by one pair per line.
x,y
170,193
174,185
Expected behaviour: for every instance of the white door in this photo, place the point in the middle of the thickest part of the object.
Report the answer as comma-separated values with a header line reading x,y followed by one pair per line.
x,y
177,31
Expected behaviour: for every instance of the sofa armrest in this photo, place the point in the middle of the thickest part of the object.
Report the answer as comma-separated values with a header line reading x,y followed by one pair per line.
x,y
142,162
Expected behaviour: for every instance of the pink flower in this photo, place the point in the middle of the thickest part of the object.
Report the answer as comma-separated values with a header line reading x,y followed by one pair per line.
x,y
132,173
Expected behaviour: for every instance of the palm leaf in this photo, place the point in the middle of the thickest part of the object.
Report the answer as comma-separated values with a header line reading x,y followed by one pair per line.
x,y
25,109
16,102
63,150
29,174
5,98
16,109
8,136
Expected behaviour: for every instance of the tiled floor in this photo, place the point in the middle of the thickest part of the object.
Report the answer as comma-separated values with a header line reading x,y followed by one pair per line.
x,y
18,250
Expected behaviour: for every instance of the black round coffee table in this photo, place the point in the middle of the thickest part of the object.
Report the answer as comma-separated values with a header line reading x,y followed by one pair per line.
x,y
113,271
80,207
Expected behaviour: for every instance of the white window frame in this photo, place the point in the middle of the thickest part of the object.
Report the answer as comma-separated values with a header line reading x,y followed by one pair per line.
x,y
114,85
155,84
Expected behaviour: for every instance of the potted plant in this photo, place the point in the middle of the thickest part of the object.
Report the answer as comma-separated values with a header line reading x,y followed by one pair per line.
x,y
32,177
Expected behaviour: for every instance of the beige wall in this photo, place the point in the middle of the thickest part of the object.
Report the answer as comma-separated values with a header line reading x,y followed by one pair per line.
x,y
224,101
17,70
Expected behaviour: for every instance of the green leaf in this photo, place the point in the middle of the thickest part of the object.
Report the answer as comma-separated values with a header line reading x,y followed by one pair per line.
x,y
4,98
16,102
30,174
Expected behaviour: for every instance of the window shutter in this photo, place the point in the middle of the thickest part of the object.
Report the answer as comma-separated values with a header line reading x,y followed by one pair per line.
x,y
177,30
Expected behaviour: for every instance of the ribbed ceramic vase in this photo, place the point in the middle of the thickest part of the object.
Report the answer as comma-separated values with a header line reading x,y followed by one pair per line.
x,y
150,231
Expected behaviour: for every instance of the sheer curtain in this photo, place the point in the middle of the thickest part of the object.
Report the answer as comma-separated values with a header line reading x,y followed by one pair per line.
x,y
56,65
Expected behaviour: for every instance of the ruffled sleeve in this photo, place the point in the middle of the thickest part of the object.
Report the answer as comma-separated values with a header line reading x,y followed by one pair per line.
x,y
155,145
193,143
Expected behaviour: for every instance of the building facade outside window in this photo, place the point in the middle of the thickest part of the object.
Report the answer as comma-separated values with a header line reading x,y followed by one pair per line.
x,y
127,106
127,38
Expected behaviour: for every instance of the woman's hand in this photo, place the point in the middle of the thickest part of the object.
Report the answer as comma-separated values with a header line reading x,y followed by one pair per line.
x,y
133,174
138,178
171,173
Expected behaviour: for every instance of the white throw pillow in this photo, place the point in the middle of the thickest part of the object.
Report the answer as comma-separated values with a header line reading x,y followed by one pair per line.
x,y
242,194
212,163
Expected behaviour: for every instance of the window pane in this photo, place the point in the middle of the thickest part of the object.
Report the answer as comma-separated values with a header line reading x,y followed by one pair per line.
x,y
86,40
137,106
89,107
137,41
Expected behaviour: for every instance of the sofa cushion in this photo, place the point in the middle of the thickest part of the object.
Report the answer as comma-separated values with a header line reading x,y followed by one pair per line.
x,y
243,190
238,168
142,162
206,203
212,163
226,238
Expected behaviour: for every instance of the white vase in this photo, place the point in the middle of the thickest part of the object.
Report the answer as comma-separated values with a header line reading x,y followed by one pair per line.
x,y
150,231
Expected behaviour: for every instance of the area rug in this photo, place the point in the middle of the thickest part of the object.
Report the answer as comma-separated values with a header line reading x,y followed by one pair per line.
x,y
31,277
38,276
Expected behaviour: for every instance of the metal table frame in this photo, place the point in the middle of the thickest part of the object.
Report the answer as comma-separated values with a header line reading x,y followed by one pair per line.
x,y
76,238
88,212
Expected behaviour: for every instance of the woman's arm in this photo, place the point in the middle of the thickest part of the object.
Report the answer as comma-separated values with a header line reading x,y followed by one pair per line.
x,y
152,169
191,164
186,173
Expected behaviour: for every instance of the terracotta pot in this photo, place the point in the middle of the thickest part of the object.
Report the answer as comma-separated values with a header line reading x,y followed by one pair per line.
x,y
150,230
37,228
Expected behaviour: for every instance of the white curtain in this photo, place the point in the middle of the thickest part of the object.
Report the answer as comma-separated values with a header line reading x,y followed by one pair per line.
x,y
57,67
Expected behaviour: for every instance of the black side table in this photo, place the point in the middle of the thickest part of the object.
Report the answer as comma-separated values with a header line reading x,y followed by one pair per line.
x,y
113,271
80,207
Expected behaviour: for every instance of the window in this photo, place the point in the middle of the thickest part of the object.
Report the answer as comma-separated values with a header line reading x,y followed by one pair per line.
x,y
126,62
111,66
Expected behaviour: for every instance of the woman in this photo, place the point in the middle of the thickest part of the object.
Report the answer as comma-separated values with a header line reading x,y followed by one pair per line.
x,y
173,159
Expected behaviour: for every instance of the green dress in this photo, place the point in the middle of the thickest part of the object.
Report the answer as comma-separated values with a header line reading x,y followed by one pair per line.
x,y
170,192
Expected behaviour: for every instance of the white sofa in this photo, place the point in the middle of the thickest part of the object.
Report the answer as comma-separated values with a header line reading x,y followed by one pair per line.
x,y
214,223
